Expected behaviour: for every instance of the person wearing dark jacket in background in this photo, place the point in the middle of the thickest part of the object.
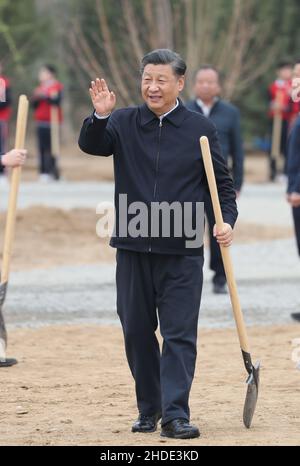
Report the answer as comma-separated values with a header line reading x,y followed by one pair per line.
x,y
46,95
293,189
226,118
157,160
5,114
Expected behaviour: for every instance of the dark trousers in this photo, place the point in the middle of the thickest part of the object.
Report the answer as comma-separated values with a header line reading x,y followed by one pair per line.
x,y
216,263
3,141
169,287
296,216
47,160
283,148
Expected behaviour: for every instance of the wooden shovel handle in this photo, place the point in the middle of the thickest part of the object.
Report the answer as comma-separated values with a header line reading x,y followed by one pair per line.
x,y
55,143
235,302
14,186
277,128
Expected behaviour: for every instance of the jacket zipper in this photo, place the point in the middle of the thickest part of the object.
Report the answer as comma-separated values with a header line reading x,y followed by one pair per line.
x,y
156,169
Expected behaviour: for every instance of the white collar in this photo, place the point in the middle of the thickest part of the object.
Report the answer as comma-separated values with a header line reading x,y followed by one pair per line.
x,y
206,108
167,113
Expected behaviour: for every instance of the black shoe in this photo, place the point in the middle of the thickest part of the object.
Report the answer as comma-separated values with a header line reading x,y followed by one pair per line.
x,y
179,428
219,288
296,316
146,423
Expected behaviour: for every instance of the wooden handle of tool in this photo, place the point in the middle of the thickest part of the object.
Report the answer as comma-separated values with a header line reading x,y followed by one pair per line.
x,y
54,116
14,187
235,302
277,128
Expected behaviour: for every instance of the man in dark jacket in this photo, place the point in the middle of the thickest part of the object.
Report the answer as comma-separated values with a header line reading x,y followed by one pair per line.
x,y
227,120
157,160
293,189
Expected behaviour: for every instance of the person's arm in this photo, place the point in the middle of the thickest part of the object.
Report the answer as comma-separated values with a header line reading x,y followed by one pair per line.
x,y
55,98
13,158
237,152
97,135
293,167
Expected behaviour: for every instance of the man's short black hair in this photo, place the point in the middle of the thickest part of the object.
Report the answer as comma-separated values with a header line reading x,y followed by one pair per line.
x,y
297,62
164,57
50,68
284,64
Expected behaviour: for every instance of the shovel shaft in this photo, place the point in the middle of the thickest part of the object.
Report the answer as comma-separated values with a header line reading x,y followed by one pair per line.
x,y
227,262
14,187
55,142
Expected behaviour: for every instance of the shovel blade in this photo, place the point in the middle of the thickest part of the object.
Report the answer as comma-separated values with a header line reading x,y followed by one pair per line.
x,y
3,334
251,395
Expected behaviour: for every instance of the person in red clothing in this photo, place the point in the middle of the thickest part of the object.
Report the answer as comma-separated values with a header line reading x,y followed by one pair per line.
x,y
47,94
279,99
5,113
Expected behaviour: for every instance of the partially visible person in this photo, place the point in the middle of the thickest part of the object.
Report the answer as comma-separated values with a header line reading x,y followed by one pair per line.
x,y
226,117
293,189
295,104
48,93
279,93
13,158
5,114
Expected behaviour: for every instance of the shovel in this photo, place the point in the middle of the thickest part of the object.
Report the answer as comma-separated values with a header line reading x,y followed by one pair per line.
x,y
55,140
10,226
253,371
276,137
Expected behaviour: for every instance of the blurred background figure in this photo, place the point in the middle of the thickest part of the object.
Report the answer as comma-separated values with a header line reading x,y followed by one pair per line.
x,y
293,171
279,93
46,95
295,105
226,117
5,113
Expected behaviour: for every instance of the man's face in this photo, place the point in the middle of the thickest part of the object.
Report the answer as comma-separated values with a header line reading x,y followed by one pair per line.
x,y
207,85
160,87
285,73
45,75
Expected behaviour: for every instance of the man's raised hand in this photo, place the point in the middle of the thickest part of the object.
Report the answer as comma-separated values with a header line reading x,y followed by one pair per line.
x,y
103,99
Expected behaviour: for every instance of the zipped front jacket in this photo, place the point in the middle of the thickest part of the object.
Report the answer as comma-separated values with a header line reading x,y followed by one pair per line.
x,y
158,161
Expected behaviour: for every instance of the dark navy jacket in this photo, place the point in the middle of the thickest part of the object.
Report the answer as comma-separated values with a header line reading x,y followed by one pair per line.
x,y
226,117
159,163
293,162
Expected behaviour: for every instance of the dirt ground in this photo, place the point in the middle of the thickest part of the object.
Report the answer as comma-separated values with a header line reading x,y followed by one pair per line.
x,y
73,386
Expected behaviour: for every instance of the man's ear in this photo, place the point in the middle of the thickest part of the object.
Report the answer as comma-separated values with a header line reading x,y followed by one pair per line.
x,y
181,82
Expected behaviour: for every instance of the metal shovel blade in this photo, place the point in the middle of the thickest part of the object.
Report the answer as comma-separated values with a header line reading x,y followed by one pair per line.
x,y
3,335
4,362
251,395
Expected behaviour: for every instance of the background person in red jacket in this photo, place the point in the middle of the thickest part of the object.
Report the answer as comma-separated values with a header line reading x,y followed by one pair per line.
x,y
48,93
5,113
281,89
